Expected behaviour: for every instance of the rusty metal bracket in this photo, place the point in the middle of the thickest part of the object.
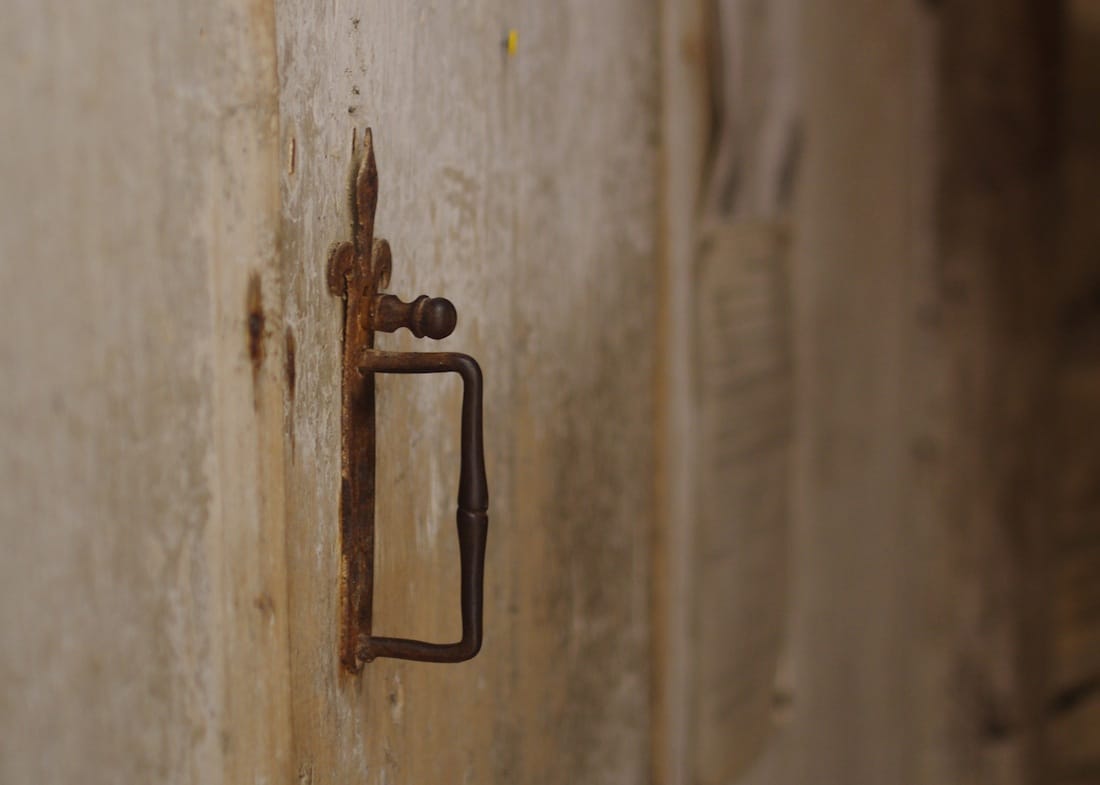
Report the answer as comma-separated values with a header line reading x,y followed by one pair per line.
x,y
357,270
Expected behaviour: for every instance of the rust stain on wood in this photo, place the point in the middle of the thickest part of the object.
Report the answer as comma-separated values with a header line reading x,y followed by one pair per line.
x,y
349,274
255,322
265,604
290,366
290,360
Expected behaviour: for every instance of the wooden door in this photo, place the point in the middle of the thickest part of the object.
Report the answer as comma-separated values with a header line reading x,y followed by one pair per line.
x,y
507,184
174,174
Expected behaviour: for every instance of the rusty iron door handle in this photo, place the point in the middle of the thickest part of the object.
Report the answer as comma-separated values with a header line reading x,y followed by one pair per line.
x,y
473,507
358,269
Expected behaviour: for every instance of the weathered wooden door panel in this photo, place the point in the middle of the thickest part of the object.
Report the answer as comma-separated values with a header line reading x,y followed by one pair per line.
x,y
142,572
174,176
508,185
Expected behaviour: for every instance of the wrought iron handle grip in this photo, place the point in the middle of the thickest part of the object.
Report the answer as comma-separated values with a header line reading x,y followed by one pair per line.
x,y
473,507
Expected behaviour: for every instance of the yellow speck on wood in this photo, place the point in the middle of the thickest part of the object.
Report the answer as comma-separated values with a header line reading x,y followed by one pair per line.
x,y
511,43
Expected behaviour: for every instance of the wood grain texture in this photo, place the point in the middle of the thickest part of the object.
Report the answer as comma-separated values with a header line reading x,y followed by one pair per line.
x,y
1069,451
924,222
919,319
997,319
861,262
743,390
511,186
834,104
742,574
143,602
685,125
943,628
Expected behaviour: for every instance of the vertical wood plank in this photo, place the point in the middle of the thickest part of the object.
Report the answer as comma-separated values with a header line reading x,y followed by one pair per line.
x,y
585,136
743,393
143,603
996,171
861,262
1070,453
510,186
684,126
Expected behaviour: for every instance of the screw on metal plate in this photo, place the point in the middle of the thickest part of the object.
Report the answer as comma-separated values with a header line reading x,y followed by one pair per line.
x,y
358,269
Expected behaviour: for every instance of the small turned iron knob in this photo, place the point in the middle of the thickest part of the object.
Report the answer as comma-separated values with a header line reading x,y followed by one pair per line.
x,y
434,317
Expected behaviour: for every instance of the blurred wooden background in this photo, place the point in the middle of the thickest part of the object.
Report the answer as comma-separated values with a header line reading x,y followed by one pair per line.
x,y
932,168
